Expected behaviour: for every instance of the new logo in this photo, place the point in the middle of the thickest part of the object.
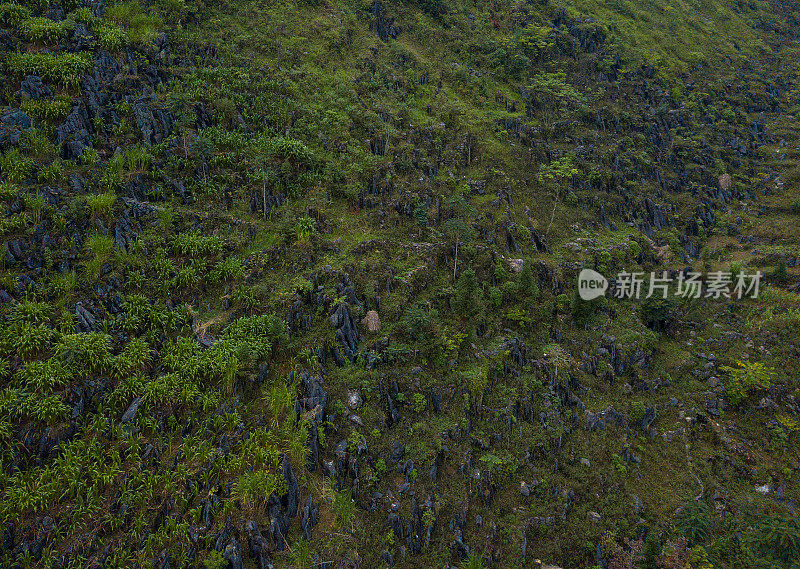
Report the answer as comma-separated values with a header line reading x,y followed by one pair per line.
x,y
591,284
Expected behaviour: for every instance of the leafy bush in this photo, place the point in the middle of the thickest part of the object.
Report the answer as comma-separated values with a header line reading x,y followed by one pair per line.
x,y
45,30
778,537
495,297
215,560
101,205
466,294
82,15
14,166
305,228
24,340
66,68
744,378
91,350
8,191
420,322
344,509
109,36
43,376
228,269
30,312
139,26
52,173
527,283
194,244
474,561
101,247
694,522
658,314
13,14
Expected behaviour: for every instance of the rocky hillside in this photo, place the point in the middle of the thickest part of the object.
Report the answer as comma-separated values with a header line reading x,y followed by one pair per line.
x,y
295,284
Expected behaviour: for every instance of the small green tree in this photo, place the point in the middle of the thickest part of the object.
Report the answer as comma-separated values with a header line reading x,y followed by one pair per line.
x,y
527,283
694,522
778,537
554,175
466,298
550,93
746,377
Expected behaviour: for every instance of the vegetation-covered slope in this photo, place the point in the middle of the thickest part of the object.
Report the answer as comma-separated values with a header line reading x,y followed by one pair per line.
x,y
294,284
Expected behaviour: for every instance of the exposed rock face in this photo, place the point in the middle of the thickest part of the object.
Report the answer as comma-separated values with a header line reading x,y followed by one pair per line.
x,y
130,412
17,250
291,499
97,88
233,555
516,265
74,134
258,545
85,320
13,123
33,87
153,123
278,525
382,25
309,518
346,331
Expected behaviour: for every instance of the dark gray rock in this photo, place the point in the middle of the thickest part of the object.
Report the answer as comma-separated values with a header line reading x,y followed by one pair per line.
x,y
649,417
13,123
85,319
258,546
33,87
233,555
392,414
17,250
130,412
312,459
74,134
309,518
225,535
82,39
398,450
124,233
290,500
97,86
346,331
204,119
278,525
154,123
382,25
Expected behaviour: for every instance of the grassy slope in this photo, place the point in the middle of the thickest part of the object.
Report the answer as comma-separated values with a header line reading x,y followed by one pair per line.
x,y
317,74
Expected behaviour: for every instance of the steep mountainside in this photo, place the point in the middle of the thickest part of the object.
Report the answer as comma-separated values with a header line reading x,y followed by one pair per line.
x,y
295,284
